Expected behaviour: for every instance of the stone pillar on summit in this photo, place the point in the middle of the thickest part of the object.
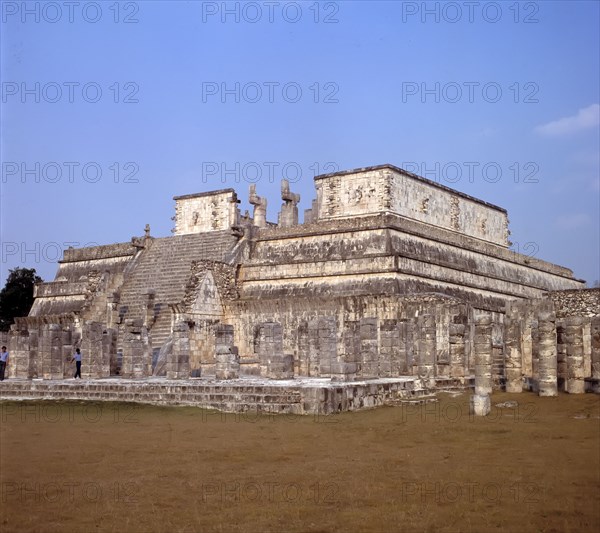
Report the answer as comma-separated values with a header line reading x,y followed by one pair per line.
x,y
289,210
260,208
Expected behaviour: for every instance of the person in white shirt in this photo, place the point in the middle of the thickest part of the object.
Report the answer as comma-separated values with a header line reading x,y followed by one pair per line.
x,y
3,362
77,358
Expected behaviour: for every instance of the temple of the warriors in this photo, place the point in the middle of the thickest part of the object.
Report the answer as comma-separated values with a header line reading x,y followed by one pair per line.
x,y
392,283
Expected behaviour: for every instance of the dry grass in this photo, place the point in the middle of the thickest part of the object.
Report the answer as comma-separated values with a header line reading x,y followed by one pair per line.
x,y
75,467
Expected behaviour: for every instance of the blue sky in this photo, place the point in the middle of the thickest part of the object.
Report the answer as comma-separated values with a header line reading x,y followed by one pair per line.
x,y
110,109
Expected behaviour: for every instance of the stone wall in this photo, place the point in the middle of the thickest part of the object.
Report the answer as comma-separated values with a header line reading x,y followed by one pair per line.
x,y
582,302
240,396
389,254
390,189
374,335
203,212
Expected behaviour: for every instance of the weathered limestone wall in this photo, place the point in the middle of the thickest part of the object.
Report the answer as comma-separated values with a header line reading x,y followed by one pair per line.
x,y
81,274
372,335
582,302
42,347
387,188
386,254
208,211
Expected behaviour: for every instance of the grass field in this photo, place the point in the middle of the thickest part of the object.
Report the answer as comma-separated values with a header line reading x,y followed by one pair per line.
x,y
96,467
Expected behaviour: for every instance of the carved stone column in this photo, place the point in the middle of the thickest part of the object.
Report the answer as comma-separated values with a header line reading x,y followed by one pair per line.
x,y
574,341
289,210
137,360
178,360
427,347
227,361
260,207
547,369
595,331
482,348
456,336
513,356
93,362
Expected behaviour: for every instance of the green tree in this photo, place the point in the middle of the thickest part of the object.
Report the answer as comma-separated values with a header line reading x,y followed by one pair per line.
x,y
16,298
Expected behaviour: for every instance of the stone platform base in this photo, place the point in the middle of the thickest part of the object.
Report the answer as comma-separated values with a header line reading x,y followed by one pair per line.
x,y
295,396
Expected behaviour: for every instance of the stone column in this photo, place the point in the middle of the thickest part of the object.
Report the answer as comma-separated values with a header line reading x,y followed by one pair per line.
x,y
513,357
50,350
369,350
574,341
178,359
561,355
388,346
92,361
427,333
497,360
482,348
137,360
278,365
326,343
547,366
457,350
109,350
227,361
20,356
535,354
34,354
303,351
595,332
67,352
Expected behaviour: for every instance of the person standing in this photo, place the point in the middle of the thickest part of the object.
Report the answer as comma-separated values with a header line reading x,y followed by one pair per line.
x,y
77,359
3,362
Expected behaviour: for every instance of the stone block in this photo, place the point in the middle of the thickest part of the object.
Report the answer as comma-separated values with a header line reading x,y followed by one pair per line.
x,y
480,405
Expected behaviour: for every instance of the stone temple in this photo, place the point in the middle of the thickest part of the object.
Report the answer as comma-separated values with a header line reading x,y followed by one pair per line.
x,y
392,284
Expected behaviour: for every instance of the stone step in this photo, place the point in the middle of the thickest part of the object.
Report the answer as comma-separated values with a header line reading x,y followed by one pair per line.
x,y
298,397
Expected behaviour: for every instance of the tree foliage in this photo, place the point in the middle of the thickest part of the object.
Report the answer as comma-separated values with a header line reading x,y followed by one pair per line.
x,y
16,298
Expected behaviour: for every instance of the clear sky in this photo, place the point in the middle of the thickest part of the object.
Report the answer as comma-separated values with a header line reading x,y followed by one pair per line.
x,y
109,109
